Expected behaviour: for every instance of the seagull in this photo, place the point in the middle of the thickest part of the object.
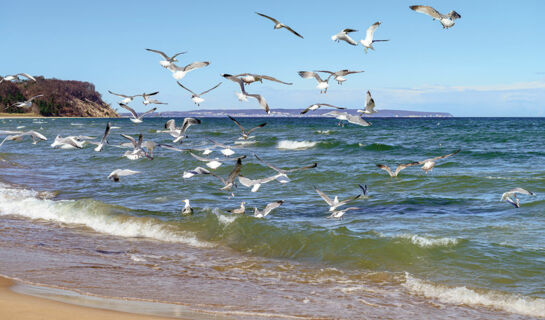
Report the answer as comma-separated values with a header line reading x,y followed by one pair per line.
x,y
246,134
230,181
127,98
168,60
447,20
242,96
210,163
249,78
317,106
197,171
239,210
147,99
28,103
339,75
268,208
283,178
335,203
137,152
278,25
345,116
104,139
197,97
256,184
178,72
187,210
428,164
363,190
117,173
70,142
36,137
15,77
343,35
398,169
509,195
179,133
322,84
135,117
367,43
339,214
369,105
227,150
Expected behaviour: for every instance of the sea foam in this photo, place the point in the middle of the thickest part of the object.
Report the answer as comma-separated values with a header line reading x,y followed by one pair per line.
x,y
523,305
295,145
427,242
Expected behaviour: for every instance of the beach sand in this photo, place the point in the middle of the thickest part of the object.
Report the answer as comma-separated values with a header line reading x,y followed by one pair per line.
x,y
24,307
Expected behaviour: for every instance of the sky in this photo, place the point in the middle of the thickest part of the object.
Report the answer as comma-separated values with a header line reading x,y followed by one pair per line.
x,y
491,63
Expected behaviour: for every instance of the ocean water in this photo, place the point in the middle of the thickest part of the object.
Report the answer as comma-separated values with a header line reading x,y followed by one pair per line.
x,y
438,245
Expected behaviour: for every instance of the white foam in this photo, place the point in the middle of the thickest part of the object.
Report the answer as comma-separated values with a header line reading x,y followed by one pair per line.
x,y
295,145
91,214
427,242
226,220
326,132
523,305
137,258
245,142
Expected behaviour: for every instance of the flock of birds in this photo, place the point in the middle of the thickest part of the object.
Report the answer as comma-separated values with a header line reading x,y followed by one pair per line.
x,y
143,149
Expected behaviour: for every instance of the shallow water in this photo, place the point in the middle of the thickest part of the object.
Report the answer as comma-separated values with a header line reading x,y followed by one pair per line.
x,y
419,244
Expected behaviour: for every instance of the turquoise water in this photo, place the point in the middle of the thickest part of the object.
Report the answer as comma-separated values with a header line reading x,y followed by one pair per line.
x,y
429,235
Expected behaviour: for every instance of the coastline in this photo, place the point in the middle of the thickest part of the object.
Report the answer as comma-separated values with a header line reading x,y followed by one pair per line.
x,y
16,305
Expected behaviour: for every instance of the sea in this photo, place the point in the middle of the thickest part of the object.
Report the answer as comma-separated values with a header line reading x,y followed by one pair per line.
x,y
440,245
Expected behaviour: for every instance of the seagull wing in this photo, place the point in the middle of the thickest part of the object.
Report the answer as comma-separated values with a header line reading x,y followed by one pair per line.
x,y
314,165
521,191
387,169
270,165
118,94
406,165
147,112
214,87
26,75
342,203
330,105
325,197
357,120
270,18
427,10
237,123
235,172
440,157
310,74
131,139
164,55
40,95
271,206
106,133
274,79
189,122
257,127
371,30
131,110
293,31
261,100
202,158
348,30
181,85
196,65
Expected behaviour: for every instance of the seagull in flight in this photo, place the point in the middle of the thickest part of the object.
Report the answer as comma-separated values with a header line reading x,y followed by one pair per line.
x,y
137,152
335,203
104,139
27,103
135,117
196,97
15,77
212,163
317,106
268,208
447,20
345,116
195,172
398,169
246,133
369,104
117,173
339,214
127,98
147,99
339,75
343,35
278,24
178,72
249,78
283,178
322,84
509,195
35,135
256,184
167,60
367,43
70,142
429,164
230,181
226,150
179,133
242,96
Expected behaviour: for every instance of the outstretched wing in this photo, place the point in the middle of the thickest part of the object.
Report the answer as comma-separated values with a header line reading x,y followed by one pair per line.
x,y
181,85
269,165
387,169
274,79
330,105
196,65
440,157
131,139
324,196
131,110
371,30
406,165
271,206
522,191
314,165
164,55
214,87
427,10
342,203
293,31
189,122
270,18
257,127
147,112
236,122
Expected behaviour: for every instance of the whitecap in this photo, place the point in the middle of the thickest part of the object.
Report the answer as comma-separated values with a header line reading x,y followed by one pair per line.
x,y
245,142
326,132
137,258
427,242
519,304
295,145
226,220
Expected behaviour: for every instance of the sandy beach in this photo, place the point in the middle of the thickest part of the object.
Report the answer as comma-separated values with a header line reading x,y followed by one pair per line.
x,y
24,307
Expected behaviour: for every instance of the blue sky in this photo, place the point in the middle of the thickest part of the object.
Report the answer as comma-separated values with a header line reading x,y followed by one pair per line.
x,y
489,64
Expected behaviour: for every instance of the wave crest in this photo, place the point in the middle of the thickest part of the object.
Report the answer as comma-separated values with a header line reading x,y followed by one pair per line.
x,y
427,242
295,145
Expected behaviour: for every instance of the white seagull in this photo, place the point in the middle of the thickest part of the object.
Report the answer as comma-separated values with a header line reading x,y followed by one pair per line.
x,y
268,208
168,60
317,106
137,152
429,164
196,97
225,149
509,195
256,184
230,181
335,203
283,178
147,99
117,173
322,84
345,116
104,139
367,43
278,24
70,142
179,133
242,96
178,72
212,163
369,104
339,75
249,78
187,210
135,117
15,77
339,214
246,133
447,20
197,171
28,103
36,136
398,169
343,35
127,98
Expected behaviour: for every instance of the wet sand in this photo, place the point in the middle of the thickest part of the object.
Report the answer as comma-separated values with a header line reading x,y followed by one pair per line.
x,y
25,307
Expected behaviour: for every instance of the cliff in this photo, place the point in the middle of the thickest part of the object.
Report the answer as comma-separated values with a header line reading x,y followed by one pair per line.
x,y
61,98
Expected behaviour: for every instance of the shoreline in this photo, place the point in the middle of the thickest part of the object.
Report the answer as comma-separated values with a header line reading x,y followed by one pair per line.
x,y
24,302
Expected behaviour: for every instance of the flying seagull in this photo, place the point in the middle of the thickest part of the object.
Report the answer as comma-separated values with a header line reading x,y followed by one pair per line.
x,y
447,20
147,99
339,75
398,169
345,116
117,173
278,25
168,60
283,178
249,78
230,181
15,77
268,208
137,152
135,117
256,184
322,84
35,135
246,133
212,163
179,133
343,35
367,43
369,104
429,164
243,94
339,214
509,195
178,72
187,210
197,171
196,97
28,103
127,98
70,142
335,203
317,106
104,139
226,150
239,210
